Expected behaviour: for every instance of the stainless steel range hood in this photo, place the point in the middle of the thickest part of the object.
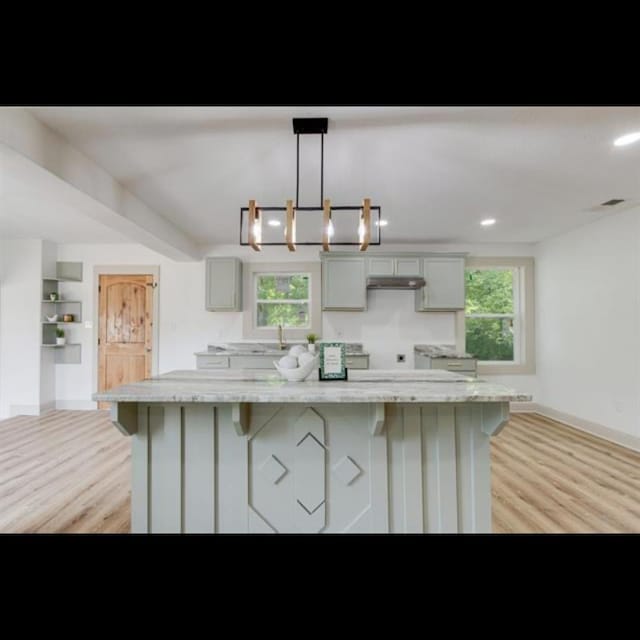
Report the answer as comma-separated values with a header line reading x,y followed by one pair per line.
x,y
395,282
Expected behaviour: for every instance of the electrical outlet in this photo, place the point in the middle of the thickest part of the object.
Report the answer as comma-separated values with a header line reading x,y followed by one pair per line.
x,y
400,357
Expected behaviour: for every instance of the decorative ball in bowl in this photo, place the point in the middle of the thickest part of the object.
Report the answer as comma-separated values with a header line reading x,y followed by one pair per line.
x,y
296,369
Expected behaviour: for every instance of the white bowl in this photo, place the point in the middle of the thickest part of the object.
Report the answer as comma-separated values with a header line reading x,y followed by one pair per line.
x,y
299,374
52,318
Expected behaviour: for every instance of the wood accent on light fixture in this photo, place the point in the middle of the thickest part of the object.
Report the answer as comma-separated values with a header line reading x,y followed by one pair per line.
x,y
366,221
290,230
254,216
326,223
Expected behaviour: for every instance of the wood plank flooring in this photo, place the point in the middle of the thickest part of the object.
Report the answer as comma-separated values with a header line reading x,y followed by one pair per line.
x,y
69,472
64,472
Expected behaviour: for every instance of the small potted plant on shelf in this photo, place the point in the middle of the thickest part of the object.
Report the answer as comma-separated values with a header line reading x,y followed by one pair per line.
x,y
311,339
60,339
53,296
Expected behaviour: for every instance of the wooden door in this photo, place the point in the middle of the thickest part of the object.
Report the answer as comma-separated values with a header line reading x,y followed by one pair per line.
x,y
124,337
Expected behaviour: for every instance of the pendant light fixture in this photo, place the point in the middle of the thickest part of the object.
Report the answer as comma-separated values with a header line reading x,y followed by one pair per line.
x,y
363,234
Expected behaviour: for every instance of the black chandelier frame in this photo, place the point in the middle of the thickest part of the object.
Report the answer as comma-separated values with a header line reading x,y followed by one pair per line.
x,y
311,126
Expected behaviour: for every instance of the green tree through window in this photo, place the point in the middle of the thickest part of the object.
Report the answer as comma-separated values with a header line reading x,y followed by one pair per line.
x,y
490,313
283,299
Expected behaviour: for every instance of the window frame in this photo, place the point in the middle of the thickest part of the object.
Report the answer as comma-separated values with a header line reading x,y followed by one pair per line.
x,y
256,301
251,270
523,312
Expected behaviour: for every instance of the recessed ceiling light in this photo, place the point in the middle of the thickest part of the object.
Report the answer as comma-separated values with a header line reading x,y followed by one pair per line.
x,y
382,223
274,223
488,222
629,138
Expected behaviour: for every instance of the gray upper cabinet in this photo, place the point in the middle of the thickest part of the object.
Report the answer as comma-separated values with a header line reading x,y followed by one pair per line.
x,y
386,266
381,267
223,284
407,267
444,289
343,284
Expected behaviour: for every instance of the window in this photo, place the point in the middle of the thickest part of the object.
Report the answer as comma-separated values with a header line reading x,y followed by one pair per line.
x,y
282,299
498,318
281,293
491,313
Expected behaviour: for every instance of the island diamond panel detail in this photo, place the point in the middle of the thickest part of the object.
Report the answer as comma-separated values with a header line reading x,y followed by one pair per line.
x,y
309,469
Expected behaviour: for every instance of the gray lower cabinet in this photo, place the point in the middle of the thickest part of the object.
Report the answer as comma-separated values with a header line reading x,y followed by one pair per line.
x,y
211,362
444,289
463,365
255,361
344,284
223,278
357,362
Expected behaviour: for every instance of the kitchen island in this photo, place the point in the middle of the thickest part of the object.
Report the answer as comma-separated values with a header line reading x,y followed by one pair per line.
x,y
245,451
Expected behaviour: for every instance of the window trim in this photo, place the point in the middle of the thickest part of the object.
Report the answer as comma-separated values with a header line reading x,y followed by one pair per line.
x,y
308,300
251,269
525,321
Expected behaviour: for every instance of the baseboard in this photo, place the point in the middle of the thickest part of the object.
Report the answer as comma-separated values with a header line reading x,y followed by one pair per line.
x,y
594,428
76,405
523,407
47,406
24,410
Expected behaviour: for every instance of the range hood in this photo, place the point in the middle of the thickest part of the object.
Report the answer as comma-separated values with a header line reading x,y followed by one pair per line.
x,y
395,282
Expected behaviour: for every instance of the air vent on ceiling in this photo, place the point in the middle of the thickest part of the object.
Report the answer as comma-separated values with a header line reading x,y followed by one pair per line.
x,y
612,202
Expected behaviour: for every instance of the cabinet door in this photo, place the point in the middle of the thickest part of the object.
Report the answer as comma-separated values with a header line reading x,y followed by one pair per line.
x,y
343,284
408,267
455,364
357,362
212,362
254,362
381,267
223,284
444,289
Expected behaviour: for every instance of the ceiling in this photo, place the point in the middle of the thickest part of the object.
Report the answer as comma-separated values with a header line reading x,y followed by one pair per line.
x,y
435,171
36,204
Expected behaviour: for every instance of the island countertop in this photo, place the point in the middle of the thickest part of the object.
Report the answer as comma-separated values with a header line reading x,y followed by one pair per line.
x,y
404,386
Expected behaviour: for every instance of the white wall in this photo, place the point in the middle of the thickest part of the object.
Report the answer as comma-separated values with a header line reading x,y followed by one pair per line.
x,y
588,322
20,328
47,356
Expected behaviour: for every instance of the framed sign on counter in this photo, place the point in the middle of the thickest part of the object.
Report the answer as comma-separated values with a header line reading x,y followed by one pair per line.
x,y
332,361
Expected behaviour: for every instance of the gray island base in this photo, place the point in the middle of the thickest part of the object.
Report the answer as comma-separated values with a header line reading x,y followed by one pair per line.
x,y
246,452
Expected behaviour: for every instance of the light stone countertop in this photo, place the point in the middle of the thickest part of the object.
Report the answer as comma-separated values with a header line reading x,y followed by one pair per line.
x,y
265,386
440,351
266,348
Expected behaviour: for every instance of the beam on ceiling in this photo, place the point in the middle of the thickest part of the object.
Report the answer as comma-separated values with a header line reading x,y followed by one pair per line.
x,y
120,209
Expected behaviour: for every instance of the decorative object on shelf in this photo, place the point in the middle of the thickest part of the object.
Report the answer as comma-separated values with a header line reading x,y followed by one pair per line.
x,y
366,229
53,318
311,339
295,369
60,339
333,361
53,296
68,317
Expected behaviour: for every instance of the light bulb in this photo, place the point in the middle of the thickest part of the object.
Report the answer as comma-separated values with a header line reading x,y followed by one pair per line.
x,y
257,232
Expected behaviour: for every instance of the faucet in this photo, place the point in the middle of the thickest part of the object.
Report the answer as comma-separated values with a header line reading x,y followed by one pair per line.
x,y
281,341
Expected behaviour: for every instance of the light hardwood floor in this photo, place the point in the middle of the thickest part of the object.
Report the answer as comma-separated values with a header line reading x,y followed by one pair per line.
x,y
68,472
